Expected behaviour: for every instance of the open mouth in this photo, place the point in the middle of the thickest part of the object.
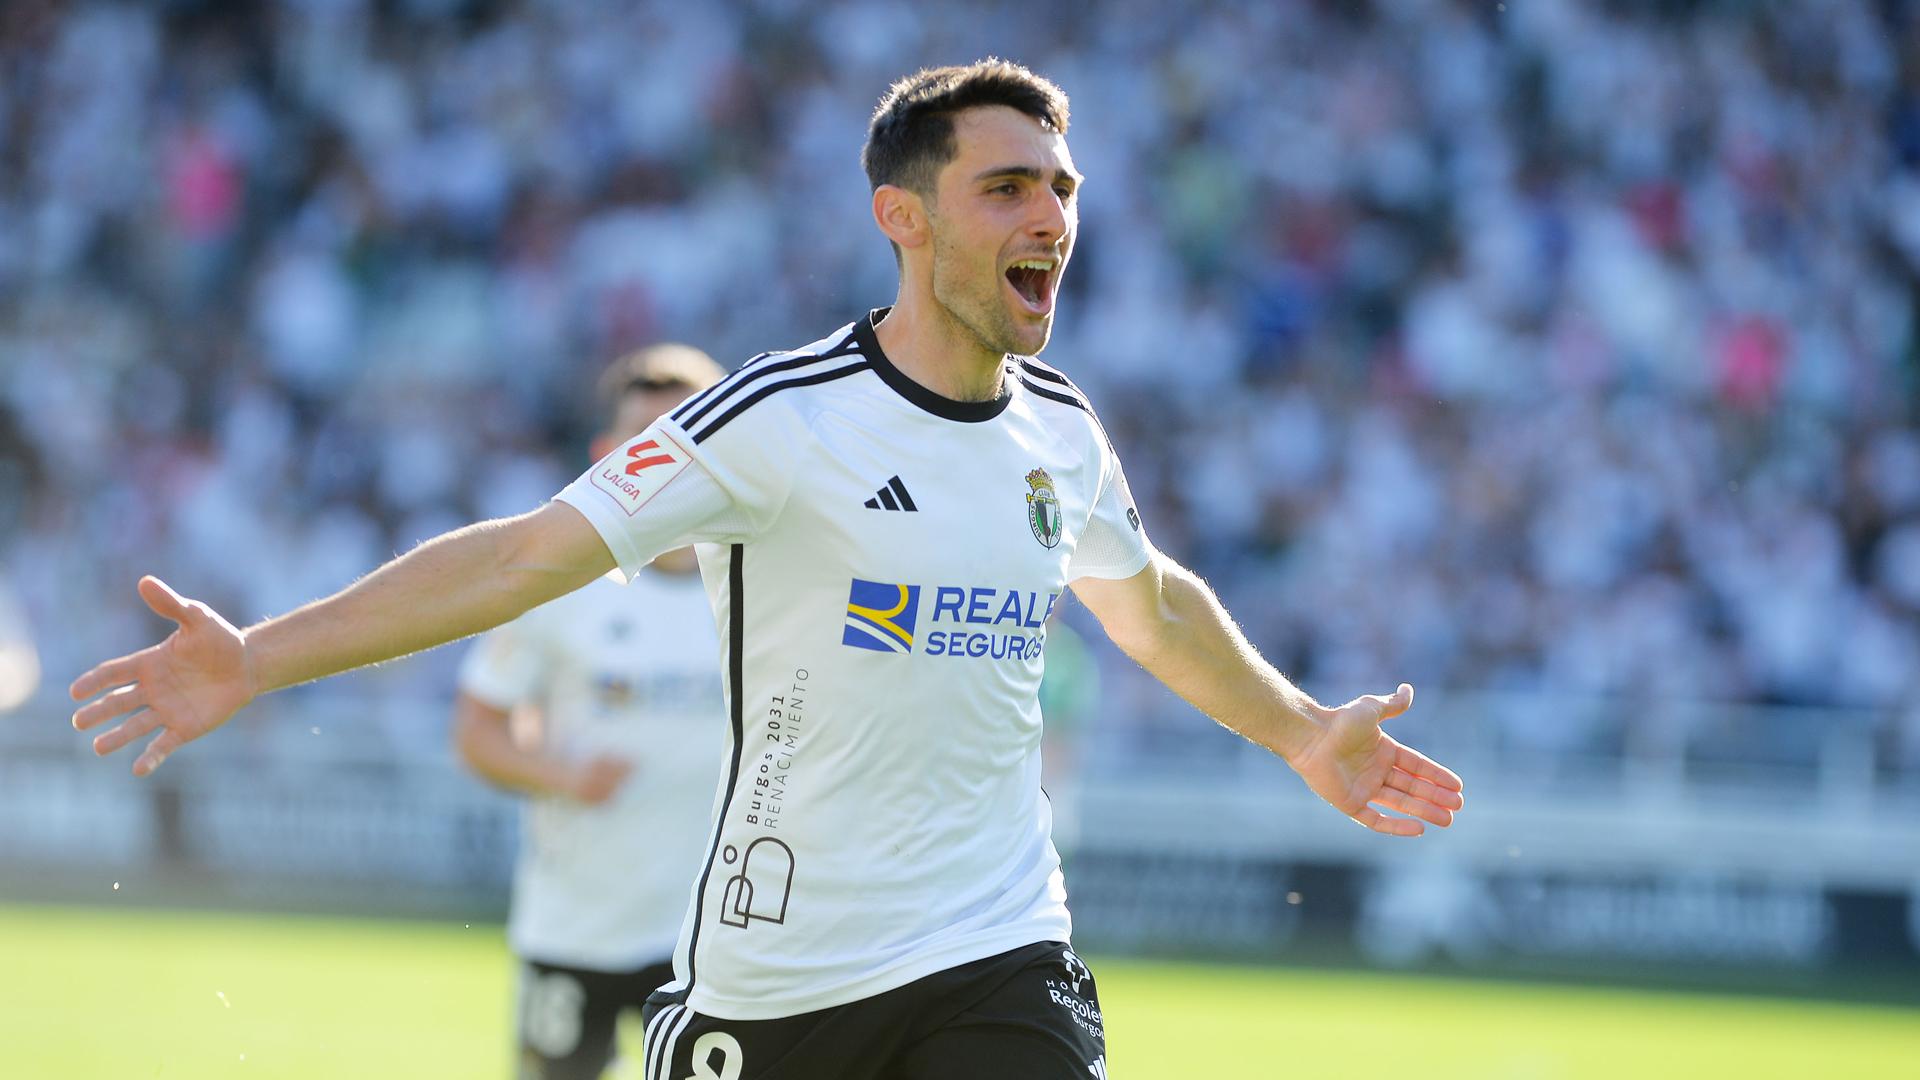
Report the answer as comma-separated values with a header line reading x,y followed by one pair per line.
x,y
1032,279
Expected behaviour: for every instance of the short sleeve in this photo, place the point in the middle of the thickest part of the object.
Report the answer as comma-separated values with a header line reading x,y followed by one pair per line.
x,y
1114,544
505,668
663,490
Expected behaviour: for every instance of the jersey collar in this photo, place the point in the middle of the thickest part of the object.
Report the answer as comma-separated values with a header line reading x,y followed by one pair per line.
x,y
967,412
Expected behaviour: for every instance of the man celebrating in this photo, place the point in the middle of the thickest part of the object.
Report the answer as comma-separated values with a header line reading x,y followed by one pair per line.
x,y
886,517
627,710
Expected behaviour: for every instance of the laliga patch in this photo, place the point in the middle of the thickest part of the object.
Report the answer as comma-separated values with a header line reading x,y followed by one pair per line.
x,y
636,472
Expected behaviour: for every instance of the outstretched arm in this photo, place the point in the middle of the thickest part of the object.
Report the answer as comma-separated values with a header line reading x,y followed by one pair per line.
x,y
467,581
1170,622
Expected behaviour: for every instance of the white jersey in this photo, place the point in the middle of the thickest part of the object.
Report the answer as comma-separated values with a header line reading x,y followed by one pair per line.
x,y
882,562
626,670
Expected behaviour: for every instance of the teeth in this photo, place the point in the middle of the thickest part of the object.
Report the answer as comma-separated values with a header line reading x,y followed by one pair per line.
x,y
1034,264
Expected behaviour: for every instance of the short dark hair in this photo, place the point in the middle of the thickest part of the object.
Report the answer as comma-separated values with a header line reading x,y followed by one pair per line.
x,y
657,368
911,135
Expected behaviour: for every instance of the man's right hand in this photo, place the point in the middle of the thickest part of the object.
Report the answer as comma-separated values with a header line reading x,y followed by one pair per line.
x,y
184,687
596,779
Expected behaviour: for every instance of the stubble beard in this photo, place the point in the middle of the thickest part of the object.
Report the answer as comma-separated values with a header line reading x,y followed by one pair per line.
x,y
977,308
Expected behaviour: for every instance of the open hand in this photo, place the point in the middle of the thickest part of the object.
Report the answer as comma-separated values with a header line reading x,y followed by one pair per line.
x,y
1357,767
183,687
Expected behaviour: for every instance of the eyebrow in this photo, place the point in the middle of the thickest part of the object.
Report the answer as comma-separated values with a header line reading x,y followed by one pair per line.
x,y
1027,172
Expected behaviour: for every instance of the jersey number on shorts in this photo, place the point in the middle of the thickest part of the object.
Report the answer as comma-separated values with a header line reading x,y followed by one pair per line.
x,y
550,1018
731,1057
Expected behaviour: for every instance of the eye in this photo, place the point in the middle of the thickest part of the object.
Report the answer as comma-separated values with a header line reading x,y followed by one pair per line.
x,y
1003,189
1065,193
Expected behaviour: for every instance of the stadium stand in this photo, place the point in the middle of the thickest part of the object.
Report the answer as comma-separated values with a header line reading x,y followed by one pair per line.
x,y
1562,355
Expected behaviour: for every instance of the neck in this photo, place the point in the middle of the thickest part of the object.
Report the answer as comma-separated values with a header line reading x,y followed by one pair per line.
x,y
926,343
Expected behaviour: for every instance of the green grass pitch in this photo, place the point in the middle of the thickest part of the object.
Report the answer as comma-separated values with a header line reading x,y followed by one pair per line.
x,y
132,994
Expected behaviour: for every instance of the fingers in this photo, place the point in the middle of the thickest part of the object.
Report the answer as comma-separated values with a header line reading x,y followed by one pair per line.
x,y
1380,708
1394,704
1403,803
125,695
163,600
136,726
115,672
116,703
1413,761
1392,826
615,772
1425,790
1405,793
156,752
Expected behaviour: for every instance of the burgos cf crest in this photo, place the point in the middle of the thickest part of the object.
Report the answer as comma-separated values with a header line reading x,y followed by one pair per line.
x,y
881,616
1043,508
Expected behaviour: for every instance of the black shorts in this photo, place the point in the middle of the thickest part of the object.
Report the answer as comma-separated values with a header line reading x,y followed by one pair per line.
x,y
566,1016
1029,1014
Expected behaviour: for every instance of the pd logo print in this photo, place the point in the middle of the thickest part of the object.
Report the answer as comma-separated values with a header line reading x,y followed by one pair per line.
x,y
881,616
760,890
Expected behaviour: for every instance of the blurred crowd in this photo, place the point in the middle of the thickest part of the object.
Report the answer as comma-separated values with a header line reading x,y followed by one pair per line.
x,y
1541,347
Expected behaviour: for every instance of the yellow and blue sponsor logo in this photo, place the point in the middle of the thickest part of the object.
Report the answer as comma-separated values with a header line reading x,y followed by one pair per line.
x,y
966,621
881,616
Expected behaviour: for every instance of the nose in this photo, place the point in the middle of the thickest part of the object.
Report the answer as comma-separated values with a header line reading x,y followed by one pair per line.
x,y
1049,221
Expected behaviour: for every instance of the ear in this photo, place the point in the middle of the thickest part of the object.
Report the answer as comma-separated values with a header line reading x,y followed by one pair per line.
x,y
902,215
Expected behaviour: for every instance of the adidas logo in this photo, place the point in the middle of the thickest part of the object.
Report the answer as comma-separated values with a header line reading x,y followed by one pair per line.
x,y
1099,1067
892,497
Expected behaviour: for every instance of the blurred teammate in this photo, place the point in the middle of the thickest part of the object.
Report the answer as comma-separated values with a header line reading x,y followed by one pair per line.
x,y
887,517
622,686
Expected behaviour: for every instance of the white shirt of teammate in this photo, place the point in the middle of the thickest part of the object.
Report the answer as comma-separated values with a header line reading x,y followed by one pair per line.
x,y
881,562
628,671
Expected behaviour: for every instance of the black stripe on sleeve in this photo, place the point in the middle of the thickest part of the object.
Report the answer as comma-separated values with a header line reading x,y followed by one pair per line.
x,y
754,398
694,399
1042,391
736,690
745,376
1053,375
1041,371
900,490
